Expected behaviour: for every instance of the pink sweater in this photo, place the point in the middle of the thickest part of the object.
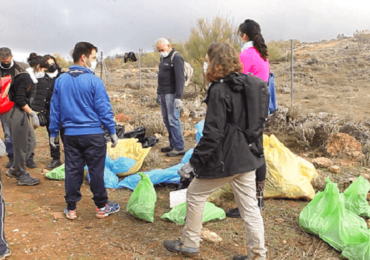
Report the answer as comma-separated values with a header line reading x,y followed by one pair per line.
x,y
253,63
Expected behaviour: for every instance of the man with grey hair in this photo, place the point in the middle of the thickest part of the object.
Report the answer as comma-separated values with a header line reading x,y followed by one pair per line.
x,y
171,80
10,67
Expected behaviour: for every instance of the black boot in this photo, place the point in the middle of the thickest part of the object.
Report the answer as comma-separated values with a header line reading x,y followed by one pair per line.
x,y
166,149
233,213
10,163
30,163
260,187
54,164
26,180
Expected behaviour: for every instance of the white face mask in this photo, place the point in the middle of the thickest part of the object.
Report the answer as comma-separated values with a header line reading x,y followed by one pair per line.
x,y
205,67
40,74
92,66
164,54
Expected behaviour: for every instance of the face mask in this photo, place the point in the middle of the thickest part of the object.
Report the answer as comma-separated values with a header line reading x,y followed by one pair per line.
x,y
40,74
240,42
164,54
205,67
92,66
7,65
52,68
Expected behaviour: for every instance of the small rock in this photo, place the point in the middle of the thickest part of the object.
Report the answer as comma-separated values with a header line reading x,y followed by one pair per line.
x,y
57,215
210,236
158,135
322,162
16,230
334,169
279,220
44,171
284,241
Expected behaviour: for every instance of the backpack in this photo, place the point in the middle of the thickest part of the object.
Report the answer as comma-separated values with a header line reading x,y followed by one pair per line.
x,y
188,70
5,104
273,102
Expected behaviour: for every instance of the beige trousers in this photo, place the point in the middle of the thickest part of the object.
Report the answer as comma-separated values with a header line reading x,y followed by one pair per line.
x,y
244,187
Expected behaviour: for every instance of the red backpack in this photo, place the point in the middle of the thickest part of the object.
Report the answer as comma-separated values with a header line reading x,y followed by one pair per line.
x,y
5,104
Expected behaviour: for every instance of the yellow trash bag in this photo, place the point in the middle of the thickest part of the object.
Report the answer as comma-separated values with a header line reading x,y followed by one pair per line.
x,y
130,148
288,175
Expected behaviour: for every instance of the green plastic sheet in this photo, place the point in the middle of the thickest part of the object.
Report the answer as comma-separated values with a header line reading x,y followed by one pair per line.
x,y
178,213
355,197
142,201
57,173
326,216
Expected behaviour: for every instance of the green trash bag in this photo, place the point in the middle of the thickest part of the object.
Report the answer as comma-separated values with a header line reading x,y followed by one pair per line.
x,y
355,197
142,201
178,213
57,173
327,217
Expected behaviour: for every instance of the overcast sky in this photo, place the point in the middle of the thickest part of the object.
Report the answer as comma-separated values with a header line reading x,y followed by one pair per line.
x,y
118,26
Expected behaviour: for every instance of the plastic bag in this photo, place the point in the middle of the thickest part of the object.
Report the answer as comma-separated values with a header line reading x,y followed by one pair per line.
x,y
355,197
178,213
199,127
327,217
142,201
129,148
187,156
57,173
288,175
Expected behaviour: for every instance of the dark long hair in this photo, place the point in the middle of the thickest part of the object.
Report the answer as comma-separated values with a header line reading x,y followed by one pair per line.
x,y
34,60
253,30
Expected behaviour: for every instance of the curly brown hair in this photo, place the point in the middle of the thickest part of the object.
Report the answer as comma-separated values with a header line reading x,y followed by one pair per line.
x,y
223,60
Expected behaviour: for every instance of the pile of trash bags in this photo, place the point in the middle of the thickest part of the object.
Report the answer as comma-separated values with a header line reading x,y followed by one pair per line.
x,y
138,133
334,217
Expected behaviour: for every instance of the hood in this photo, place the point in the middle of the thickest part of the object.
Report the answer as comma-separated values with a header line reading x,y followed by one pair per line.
x,y
235,81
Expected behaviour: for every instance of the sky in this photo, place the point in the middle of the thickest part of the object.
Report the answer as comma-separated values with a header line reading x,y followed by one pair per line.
x,y
119,26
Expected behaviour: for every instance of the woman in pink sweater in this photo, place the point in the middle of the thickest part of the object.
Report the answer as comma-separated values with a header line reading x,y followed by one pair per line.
x,y
253,56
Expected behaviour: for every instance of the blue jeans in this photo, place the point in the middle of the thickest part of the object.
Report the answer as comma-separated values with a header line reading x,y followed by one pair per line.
x,y
7,137
171,118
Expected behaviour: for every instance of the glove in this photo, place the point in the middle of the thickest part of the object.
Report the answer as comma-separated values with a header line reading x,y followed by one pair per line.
x,y
114,138
186,171
54,140
35,119
158,99
177,103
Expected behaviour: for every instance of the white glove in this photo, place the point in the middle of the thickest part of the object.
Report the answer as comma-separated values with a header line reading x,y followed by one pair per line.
x,y
186,170
54,140
114,138
177,103
35,119
158,99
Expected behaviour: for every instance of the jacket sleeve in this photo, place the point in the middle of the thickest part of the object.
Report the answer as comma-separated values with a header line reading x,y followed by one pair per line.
x,y
214,127
21,96
178,65
103,107
55,110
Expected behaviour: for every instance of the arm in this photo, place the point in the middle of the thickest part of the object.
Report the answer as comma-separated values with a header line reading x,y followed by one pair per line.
x,y
214,126
178,65
20,96
103,107
55,110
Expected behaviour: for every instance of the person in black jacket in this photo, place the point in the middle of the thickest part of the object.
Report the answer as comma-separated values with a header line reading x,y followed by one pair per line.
x,y
18,118
223,155
41,104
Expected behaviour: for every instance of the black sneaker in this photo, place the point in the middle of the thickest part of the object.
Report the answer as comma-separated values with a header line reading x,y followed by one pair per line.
x,y
27,180
11,173
178,247
5,254
233,213
54,164
30,163
239,257
10,163
176,152
166,149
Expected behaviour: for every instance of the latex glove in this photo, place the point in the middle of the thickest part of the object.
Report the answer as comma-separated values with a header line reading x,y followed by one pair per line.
x,y
177,103
35,119
54,140
158,99
114,138
186,171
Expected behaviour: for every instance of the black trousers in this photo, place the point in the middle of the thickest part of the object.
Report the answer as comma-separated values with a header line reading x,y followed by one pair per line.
x,y
3,243
81,150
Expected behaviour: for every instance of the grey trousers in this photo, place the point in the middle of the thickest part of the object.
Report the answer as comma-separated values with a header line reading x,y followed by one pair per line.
x,y
3,244
244,187
24,141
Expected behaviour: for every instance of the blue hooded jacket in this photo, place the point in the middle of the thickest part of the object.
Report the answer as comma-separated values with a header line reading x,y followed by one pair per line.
x,y
81,104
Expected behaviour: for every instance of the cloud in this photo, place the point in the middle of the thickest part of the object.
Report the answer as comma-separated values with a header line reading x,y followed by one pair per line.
x,y
65,12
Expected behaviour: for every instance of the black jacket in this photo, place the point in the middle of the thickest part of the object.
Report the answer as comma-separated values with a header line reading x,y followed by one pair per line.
x,y
223,150
43,93
171,80
21,90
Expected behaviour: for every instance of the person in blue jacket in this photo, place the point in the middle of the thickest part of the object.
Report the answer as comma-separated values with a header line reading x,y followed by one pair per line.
x,y
81,105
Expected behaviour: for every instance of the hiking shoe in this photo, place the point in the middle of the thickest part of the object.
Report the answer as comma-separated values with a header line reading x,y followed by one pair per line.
x,y
109,208
27,180
11,173
10,163
176,152
178,247
239,257
5,254
233,213
54,164
30,163
70,214
166,149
